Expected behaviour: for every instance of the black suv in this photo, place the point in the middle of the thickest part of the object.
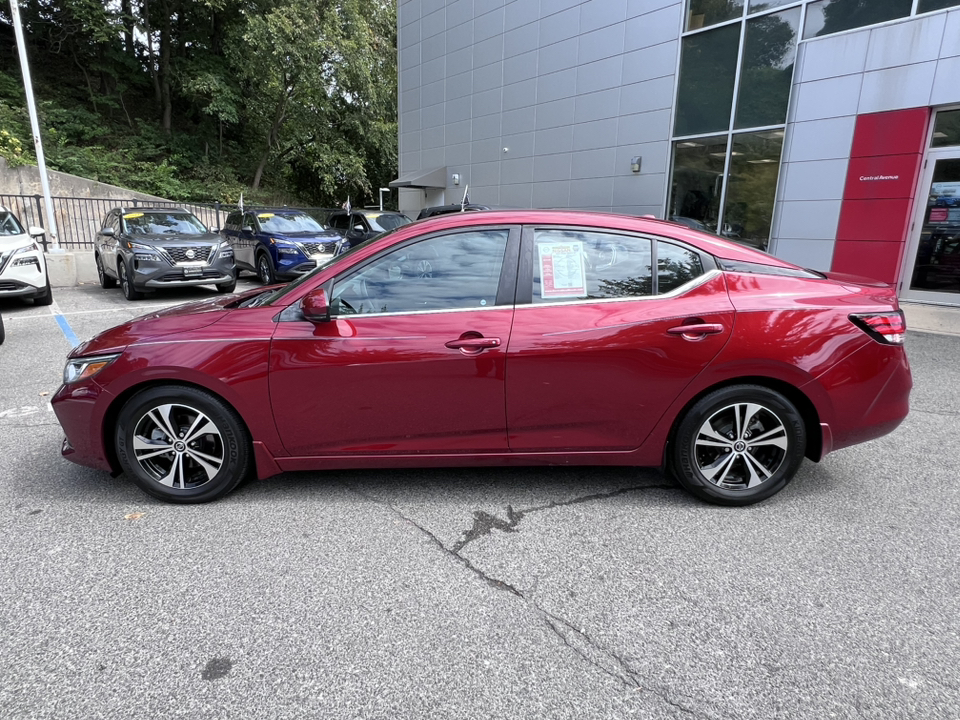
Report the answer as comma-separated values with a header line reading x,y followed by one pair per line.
x,y
358,226
149,248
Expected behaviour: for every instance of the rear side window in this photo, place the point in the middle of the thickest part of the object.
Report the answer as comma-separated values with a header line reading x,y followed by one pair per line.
x,y
676,266
586,265
447,272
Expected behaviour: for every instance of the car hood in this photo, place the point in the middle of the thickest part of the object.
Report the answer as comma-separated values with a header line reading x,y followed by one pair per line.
x,y
11,242
178,319
162,239
324,236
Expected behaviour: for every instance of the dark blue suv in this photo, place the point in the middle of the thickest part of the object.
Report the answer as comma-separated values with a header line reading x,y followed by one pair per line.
x,y
279,243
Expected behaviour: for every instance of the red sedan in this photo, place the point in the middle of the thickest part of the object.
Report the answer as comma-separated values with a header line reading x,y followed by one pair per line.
x,y
500,338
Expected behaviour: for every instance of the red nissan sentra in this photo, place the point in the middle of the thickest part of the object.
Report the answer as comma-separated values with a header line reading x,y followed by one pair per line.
x,y
500,338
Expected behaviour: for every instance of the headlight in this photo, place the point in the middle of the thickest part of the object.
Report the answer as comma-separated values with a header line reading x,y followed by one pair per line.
x,y
150,256
86,367
225,249
26,248
138,246
288,250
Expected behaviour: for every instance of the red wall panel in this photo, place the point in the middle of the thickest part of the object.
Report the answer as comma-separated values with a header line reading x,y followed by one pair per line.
x,y
878,197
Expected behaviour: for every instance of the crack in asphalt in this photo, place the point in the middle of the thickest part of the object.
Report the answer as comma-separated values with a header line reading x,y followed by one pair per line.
x,y
585,647
484,523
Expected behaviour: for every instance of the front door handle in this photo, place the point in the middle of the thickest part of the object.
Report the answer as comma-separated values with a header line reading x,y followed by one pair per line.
x,y
473,345
696,331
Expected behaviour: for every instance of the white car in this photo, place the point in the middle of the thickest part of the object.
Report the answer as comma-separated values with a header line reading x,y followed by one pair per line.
x,y
23,268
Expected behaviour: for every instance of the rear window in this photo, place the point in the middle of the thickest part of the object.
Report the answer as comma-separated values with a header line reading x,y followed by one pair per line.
x,y
387,221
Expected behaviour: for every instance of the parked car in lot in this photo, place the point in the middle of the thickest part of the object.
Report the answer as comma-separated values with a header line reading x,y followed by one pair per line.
x,y
146,248
23,267
500,338
358,226
279,244
448,209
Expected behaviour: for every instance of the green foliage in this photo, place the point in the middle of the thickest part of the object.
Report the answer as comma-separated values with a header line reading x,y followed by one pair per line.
x,y
292,99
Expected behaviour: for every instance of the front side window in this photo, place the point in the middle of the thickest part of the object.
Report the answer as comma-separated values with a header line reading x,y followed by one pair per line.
x,y
587,265
447,272
162,223
339,222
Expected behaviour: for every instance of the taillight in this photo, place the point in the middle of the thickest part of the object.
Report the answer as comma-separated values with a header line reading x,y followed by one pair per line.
x,y
887,328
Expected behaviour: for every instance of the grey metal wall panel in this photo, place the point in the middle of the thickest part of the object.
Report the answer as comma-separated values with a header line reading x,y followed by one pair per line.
x,y
485,195
830,57
433,136
654,156
600,75
653,28
460,36
599,44
593,163
555,140
516,170
637,189
520,67
520,120
518,195
488,77
410,78
408,12
549,7
651,62
409,35
410,142
486,102
431,94
433,47
596,134
642,7
555,114
489,25
459,108
644,127
486,127
459,86
521,40
489,150
410,100
459,61
897,88
520,12
457,157
656,94
597,106
829,139
518,145
432,71
488,51
813,219
482,7
487,173
521,94
410,161
461,131
562,26
814,180
813,254
946,88
905,43
833,97
951,35
551,167
433,23
459,12
410,121
595,192
596,14
410,57
432,117
434,157
551,194
559,56
556,86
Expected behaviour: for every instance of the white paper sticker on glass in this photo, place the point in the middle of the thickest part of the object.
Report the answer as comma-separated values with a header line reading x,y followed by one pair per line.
x,y
561,270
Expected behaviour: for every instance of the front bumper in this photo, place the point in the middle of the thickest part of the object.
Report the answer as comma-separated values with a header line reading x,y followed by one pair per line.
x,y
23,275
80,410
292,267
154,274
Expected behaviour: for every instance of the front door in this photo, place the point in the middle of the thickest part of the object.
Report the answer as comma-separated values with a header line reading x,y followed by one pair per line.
x,y
933,259
414,360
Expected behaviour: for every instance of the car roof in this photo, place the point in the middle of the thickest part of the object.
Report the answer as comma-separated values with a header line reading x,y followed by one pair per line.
x,y
150,208
709,243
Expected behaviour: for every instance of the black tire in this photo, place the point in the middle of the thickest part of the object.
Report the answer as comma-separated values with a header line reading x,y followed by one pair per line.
x,y
3,334
106,282
46,298
228,287
179,475
714,458
126,283
265,269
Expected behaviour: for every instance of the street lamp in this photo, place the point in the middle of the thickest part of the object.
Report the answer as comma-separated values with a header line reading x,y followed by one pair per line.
x,y
382,191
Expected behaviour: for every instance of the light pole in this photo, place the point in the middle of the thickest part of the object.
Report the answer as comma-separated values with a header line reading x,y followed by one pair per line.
x,y
35,128
382,191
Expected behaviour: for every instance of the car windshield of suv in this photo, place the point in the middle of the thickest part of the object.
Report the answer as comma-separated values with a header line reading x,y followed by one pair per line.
x,y
9,225
161,223
288,223
387,221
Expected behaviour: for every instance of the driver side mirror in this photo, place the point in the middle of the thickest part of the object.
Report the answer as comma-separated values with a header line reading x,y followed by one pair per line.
x,y
316,306
35,231
107,232
356,234
247,228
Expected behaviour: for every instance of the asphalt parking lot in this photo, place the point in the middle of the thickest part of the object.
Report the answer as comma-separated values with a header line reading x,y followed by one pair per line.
x,y
487,593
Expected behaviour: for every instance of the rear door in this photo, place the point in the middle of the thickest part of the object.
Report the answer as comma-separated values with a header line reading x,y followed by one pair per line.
x,y
601,345
414,360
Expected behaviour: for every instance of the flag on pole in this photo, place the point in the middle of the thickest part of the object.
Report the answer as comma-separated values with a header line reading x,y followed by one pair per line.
x,y
240,203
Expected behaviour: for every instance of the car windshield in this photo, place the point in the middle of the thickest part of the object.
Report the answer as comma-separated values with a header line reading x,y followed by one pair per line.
x,y
387,221
161,223
288,223
9,224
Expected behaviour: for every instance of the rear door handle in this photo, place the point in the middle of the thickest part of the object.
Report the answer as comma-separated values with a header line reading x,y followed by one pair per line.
x,y
473,345
697,330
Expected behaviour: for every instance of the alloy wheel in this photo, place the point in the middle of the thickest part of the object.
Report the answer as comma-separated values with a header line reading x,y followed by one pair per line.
x,y
741,446
178,446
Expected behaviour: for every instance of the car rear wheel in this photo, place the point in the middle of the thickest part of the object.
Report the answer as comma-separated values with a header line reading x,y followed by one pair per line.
x,y
126,283
265,269
738,445
182,444
106,282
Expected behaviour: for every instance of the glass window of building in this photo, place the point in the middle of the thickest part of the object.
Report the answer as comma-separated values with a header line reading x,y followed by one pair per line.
x,y
946,129
754,169
708,68
769,51
702,13
830,16
930,5
698,182
761,5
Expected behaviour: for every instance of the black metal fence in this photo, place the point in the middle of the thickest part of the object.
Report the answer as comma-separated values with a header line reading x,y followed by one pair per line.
x,y
78,219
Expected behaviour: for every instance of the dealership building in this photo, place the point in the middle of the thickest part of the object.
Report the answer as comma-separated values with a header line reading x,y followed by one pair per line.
x,y
826,132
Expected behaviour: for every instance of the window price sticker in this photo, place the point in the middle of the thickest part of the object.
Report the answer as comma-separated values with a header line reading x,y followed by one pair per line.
x,y
561,270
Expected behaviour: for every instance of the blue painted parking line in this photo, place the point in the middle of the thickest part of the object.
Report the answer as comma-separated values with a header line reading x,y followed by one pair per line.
x,y
68,332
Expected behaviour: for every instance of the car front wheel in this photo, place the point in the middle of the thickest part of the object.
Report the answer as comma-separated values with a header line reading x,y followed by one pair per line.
x,y
182,444
265,270
738,445
126,283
